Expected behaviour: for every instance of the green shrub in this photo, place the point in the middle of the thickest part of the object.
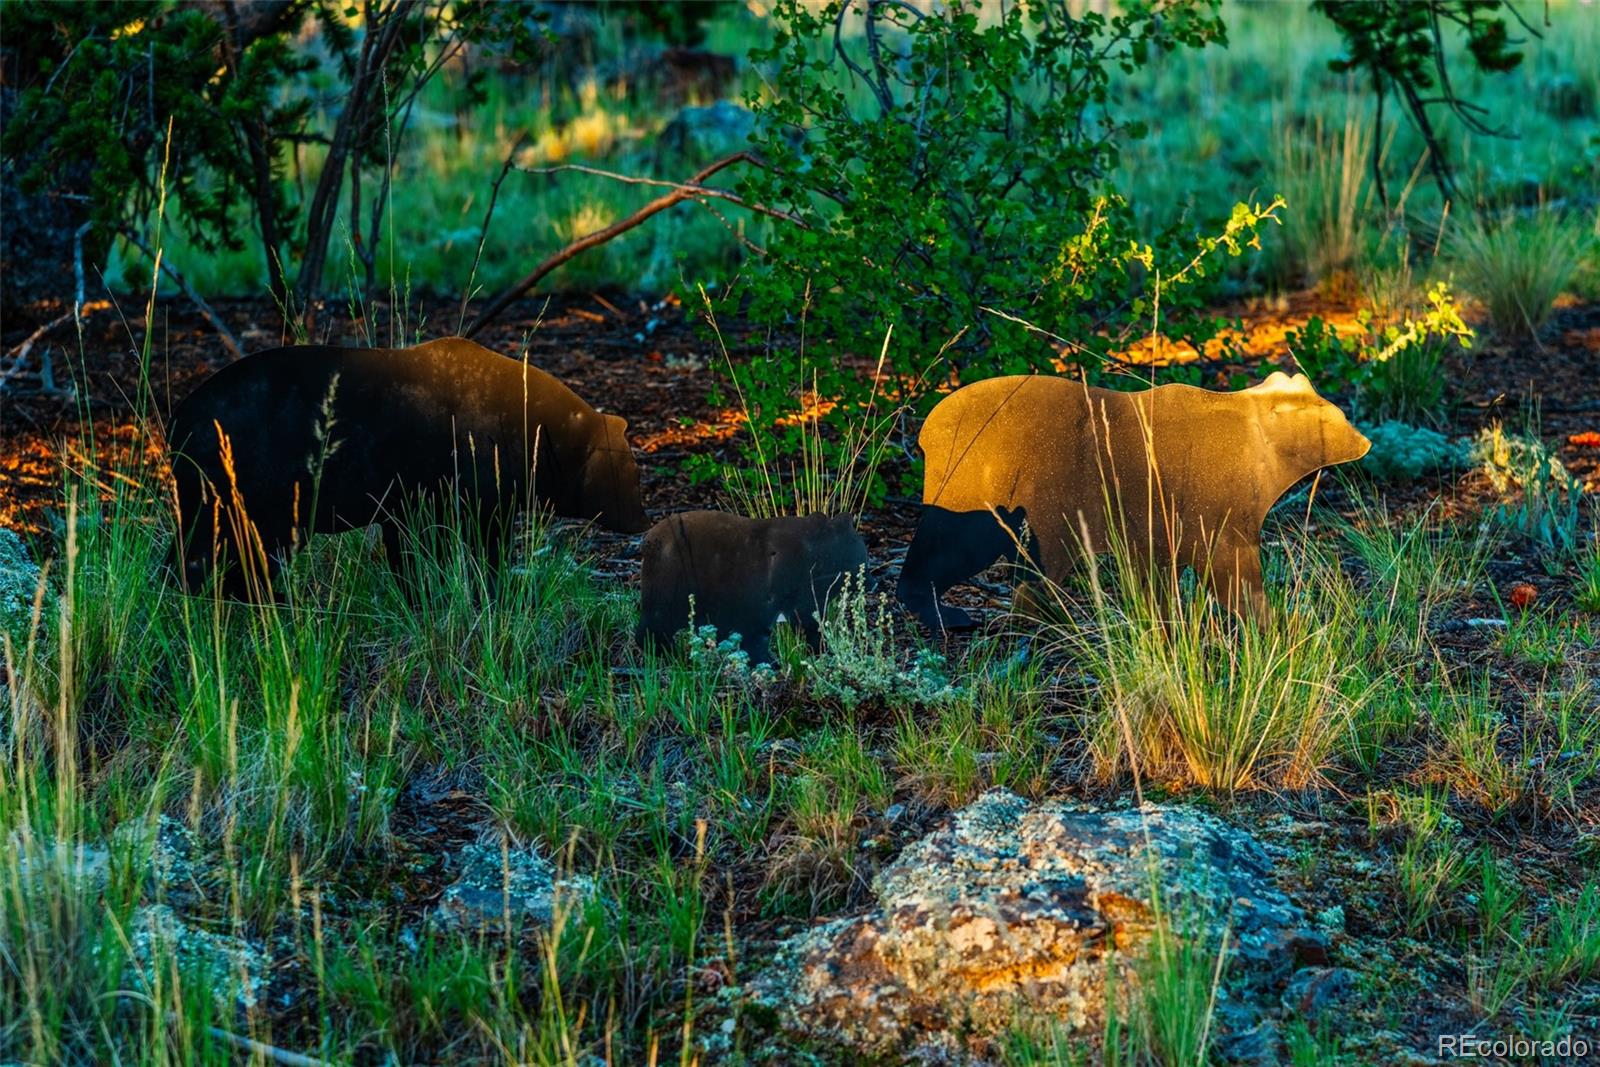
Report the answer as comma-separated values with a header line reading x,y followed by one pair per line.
x,y
1392,368
859,661
950,174
1517,266
1542,500
1403,453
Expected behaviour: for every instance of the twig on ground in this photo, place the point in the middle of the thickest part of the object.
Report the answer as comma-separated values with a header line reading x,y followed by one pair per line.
x,y
19,354
259,1048
229,341
681,191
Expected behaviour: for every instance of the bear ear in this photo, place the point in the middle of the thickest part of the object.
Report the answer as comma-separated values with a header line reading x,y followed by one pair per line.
x,y
1278,380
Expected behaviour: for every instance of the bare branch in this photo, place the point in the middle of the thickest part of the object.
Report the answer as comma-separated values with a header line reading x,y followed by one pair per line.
x,y
229,341
694,188
875,51
483,234
691,190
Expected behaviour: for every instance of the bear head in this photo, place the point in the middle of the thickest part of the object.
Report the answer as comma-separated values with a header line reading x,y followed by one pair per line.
x,y
610,480
1305,431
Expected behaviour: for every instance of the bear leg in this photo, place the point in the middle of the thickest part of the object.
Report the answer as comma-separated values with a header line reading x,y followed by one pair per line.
x,y
1234,578
949,547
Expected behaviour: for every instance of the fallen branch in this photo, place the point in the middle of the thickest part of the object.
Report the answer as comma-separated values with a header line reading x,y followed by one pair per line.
x,y
19,354
257,1048
229,341
680,191
692,187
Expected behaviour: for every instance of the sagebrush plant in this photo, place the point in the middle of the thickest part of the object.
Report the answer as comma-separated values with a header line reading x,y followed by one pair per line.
x,y
860,660
1540,498
1403,453
1517,265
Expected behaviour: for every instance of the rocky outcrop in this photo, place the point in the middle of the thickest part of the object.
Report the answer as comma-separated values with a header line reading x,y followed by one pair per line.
x,y
1012,912
494,885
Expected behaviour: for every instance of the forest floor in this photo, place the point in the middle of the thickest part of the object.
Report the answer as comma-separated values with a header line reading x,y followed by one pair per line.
x,y
643,360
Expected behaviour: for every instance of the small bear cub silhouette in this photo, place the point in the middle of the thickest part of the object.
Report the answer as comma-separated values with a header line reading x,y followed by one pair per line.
x,y
744,574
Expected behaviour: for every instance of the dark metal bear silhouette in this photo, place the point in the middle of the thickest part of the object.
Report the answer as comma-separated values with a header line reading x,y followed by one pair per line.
x,y
314,438
743,574
1171,472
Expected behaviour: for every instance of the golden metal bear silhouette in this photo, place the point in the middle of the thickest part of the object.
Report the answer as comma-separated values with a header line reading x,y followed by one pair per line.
x,y
1173,472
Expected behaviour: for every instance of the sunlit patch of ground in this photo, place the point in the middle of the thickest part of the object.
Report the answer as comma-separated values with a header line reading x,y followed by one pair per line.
x,y
1266,326
32,468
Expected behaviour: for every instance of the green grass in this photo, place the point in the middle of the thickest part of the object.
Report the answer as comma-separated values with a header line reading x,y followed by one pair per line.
x,y
1517,265
284,777
293,749
1190,696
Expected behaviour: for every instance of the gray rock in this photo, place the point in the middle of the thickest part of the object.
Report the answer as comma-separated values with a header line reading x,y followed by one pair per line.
x,y
1014,910
1259,1046
707,132
238,968
166,848
75,868
1313,991
494,885
84,869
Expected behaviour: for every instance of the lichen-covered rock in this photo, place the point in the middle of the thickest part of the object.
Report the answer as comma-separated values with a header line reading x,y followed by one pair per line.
x,y
19,584
165,848
237,968
1316,992
494,884
1011,911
